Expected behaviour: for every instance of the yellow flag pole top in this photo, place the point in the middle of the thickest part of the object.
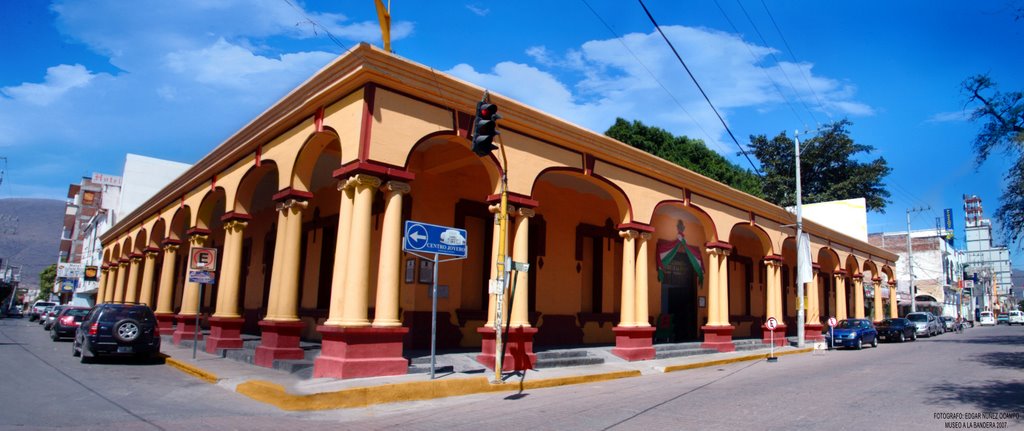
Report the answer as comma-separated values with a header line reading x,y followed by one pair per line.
x,y
384,16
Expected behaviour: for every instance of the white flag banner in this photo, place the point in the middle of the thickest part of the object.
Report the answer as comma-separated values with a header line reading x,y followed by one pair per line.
x,y
803,258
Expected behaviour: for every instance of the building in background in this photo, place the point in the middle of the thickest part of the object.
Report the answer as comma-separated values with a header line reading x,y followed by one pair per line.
x,y
938,269
988,265
93,206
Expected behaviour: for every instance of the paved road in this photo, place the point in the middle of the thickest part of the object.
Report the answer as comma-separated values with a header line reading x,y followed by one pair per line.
x,y
896,386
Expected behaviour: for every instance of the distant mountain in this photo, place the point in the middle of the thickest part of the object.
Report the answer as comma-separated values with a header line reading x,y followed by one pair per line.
x,y
30,235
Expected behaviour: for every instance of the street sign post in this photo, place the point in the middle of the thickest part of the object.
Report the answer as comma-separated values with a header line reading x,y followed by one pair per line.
x,y
430,241
832,332
202,264
772,324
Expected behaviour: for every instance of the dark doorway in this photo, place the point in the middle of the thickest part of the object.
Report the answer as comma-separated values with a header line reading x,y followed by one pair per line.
x,y
679,297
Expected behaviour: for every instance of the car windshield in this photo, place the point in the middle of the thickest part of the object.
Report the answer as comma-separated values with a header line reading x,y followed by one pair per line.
x,y
986,314
917,317
115,314
45,304
77,312
849,324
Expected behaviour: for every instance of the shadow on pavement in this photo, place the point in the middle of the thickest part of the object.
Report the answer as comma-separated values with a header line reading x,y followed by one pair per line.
x,y
128,360
993,395
1011,360
1007,340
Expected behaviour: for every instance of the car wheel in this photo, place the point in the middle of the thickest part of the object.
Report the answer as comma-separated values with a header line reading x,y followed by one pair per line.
x,y
83,358
53,335
127,330
860,343
901,338
874,342
74,349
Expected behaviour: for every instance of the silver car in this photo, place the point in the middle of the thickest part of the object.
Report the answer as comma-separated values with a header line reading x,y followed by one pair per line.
x,y
926,323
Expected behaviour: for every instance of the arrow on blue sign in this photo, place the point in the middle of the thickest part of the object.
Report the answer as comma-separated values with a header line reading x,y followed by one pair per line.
x,y
434,239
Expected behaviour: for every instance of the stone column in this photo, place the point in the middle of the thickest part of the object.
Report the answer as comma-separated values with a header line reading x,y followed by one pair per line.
x,y
495,251
858,296
146,290
642,258
812,327
627,306
190,301
718,331
108,292
341,253
389,269
893,300
840,286
122,282
357,279
131,291
281,327
226,323
520,317
165,293
350,346
773,300
634,335
102,285
876,284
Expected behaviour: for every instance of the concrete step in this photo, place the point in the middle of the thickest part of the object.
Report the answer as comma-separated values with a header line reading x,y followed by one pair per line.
x,y
676,346
561,354
425,368
568,362
748,341
677,353
300,368
749,346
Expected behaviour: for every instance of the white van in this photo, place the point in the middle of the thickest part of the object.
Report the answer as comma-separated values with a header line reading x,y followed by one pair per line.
x,y
987,319
1016,317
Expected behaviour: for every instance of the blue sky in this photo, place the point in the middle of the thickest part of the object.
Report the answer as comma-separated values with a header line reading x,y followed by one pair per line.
x,y
85,82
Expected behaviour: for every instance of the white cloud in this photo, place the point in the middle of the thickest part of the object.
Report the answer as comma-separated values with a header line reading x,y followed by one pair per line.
x,y
58,80
228,65
628,78
949,117
478,10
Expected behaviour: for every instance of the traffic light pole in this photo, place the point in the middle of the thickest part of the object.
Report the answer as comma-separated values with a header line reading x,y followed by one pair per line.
x,y
502,267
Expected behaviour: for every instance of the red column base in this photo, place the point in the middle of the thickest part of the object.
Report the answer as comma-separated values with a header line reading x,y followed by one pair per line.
x,y
186,329
348,353
780,335
280,340
165,323
812,332
518,352
225,333
718,338
634,343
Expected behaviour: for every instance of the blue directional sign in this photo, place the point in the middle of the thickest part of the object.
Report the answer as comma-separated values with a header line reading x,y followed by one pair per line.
x,y
434,239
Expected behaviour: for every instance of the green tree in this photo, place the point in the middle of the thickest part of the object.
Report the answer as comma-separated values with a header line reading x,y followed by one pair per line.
x,y
828,168
689,153
46,279
1002,115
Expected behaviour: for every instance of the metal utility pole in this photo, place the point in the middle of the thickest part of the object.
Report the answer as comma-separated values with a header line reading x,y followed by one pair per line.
x,y
910,260
799,236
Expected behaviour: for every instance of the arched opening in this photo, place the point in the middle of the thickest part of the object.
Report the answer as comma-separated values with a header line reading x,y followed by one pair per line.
x,y
789,290
828,262
254,198
680,258
209,217
451,189
180,223
578,258
747,275
852,268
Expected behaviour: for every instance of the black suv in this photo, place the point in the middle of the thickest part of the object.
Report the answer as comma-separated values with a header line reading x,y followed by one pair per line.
x,y
117,329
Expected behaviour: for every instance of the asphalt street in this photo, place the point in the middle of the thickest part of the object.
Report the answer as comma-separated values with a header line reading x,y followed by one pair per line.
x,y
973,380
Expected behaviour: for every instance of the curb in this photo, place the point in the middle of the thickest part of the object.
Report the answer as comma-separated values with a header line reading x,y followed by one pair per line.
x,y
190,369
753,357
277,396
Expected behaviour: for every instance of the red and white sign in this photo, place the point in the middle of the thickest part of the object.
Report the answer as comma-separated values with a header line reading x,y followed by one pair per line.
x,y
203,259
772,323
832,322
106,180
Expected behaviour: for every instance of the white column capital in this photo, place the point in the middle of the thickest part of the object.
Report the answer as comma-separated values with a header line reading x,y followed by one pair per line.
x,y
645,236
396,187
525,212
291,203
235,225
628,233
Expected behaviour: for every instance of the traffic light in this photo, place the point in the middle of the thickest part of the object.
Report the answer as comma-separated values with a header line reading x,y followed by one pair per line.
x,y
485,128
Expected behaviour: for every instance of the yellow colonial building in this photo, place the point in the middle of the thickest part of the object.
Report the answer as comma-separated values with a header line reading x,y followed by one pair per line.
x,y
306,206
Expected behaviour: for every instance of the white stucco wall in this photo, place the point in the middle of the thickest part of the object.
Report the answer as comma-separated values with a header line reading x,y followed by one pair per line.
x,y
143,177
849,217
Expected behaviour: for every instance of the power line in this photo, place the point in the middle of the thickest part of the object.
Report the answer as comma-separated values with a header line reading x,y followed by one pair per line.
x,y
702,92
793,56
653,76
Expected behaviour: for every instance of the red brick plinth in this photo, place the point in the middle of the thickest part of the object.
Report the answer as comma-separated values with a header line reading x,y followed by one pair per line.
x,y
186,329
518,351
634,343
225,333
780,335
165,323
718,338
280,340
812,332
348,353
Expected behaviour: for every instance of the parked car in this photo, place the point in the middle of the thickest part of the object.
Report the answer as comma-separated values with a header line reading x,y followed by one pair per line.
x,y
1003,319
51,316
897,329
1016,318
117,329
987,319
44,313
853,333
948,323
37,309
67,322
926,323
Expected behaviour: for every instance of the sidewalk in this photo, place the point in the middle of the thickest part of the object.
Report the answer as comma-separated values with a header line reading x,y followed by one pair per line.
x,y
290,392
